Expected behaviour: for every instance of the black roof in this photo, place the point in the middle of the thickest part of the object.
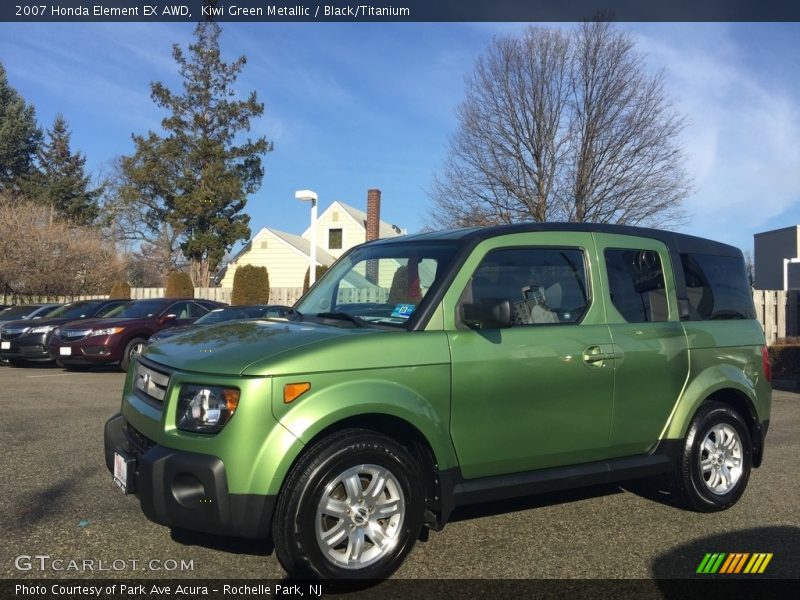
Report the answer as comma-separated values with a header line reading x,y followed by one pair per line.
x,y
679,242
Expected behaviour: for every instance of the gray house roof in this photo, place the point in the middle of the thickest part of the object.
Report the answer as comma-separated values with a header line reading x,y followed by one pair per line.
x,y
301,244
387,230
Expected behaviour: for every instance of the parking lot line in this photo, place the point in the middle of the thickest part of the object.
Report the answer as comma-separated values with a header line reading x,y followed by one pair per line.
x,y
53,375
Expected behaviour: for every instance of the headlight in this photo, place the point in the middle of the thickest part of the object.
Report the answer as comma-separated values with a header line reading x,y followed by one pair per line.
x,y
206,409
41,329
109,331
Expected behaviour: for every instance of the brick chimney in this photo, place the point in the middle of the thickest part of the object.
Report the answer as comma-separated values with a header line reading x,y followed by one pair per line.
x,y
373,229
373,214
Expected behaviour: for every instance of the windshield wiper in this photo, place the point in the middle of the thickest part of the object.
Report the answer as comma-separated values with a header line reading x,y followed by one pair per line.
x,y
342,316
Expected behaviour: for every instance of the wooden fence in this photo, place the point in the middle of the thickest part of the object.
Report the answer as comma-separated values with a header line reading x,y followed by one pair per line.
x,y
285,296
776,310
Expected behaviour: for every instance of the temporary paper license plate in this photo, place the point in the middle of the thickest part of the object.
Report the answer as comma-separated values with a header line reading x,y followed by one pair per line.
x,y
123,472
5,345
65,351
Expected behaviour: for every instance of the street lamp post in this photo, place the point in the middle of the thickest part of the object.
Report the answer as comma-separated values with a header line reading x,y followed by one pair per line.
x,y
309,196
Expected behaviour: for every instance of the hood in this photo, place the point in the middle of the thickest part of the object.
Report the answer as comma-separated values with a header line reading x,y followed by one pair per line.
x,y
170,331
39,322
103,323
229,348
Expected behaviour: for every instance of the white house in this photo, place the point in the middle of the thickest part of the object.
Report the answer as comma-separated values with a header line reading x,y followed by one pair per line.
x,y
286,256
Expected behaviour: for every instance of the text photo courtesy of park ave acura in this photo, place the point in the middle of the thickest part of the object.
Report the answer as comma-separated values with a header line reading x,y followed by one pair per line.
x,y
407,299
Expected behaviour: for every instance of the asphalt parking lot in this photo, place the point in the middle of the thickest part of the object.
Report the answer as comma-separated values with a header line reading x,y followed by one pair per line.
x,y
59,501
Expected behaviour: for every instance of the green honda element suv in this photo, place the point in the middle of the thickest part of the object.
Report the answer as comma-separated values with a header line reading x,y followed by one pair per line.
x,y
430,371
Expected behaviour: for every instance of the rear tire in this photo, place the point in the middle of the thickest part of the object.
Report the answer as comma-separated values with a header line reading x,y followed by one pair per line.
x,y
350,508
715,463
133,349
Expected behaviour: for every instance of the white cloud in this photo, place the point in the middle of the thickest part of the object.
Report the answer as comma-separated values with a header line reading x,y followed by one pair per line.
x,y
743,135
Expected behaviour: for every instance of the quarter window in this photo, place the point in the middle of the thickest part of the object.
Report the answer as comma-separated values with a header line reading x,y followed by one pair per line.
x,y
543,285
717,287
636,284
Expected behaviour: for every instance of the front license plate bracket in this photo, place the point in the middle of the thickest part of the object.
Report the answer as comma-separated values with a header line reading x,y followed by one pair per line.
x,y
124,471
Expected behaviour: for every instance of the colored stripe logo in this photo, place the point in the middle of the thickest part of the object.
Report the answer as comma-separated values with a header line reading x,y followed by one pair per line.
x,y
734,562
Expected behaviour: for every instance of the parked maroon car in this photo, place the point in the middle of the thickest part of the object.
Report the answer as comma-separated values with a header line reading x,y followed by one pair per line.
x,y
122,333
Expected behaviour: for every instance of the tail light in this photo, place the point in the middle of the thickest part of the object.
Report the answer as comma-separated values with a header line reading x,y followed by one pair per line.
x,y
765,362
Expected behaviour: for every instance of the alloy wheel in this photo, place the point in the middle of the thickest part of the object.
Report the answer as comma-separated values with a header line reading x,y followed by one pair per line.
x,y
360,516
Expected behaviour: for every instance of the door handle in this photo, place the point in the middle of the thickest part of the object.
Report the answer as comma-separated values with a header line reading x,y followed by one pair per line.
x,y
594,354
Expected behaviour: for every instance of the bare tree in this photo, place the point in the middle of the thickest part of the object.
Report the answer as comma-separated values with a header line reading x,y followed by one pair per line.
x,y
566,126
750,268
41,253
503,159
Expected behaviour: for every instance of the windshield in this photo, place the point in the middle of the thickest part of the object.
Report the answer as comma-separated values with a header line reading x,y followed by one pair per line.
x,y
74,310
220,315
382,284
18,312
138,309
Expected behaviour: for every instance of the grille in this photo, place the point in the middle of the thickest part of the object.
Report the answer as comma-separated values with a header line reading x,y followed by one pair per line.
x,y
153,384
140,442
12,333
71,335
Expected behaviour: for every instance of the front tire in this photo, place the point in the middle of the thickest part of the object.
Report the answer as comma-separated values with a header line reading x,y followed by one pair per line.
x,y
351,508
715,463
132,350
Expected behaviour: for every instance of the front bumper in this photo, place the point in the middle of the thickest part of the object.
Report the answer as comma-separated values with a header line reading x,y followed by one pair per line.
x,y
29,347
187,489
88,351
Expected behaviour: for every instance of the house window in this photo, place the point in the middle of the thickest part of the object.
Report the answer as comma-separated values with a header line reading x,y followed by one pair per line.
x,y
264,244
335,216
334,239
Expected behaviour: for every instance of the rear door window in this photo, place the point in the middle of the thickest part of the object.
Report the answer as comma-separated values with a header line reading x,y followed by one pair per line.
x,y
636,284
196,310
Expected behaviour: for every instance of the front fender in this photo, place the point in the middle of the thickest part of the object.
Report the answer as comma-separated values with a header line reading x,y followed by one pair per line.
x,y
420,396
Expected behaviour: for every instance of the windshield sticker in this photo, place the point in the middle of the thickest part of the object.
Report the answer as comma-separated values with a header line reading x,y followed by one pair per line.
x,y
403,311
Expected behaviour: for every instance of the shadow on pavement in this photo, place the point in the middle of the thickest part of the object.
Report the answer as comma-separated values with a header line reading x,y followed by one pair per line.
x,y
783,542
223,544
500,507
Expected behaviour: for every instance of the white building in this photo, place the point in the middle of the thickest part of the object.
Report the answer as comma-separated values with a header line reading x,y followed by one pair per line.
x,y
286,256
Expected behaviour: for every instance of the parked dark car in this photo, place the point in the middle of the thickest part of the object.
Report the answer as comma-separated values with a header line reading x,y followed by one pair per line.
x,y
227,313
22,341
23,311
26,311
123,332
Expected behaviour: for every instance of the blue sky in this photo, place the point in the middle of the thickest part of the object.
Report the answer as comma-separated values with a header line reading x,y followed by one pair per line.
x,y
351,106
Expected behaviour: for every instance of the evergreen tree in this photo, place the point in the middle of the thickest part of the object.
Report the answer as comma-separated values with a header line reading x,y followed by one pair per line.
x,y
61,181
199,173
19,136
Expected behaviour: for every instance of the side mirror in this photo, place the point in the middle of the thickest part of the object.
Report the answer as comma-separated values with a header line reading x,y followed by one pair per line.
x,y
167,319
489,313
